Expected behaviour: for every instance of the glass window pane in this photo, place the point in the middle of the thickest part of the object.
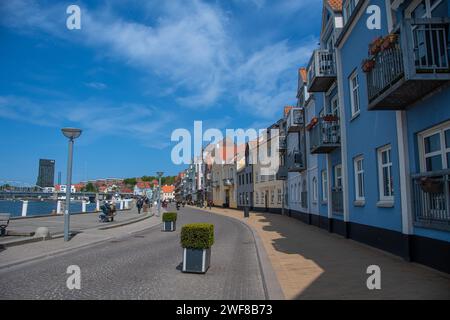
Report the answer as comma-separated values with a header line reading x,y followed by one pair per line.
x,y
385,181
448,160
432,143
447,138
384,157
434,163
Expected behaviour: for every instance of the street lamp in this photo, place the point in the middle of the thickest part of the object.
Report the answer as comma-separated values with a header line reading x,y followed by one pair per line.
x,y
71,134
160,174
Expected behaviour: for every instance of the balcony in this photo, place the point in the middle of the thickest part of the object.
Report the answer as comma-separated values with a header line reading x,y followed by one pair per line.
x,y
321,70
295,120
431,200
413,66
337,201
228,182
296,161
324,134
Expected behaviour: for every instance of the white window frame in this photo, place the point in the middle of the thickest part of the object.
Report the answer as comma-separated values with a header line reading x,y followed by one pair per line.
x,y
442,152
324,185
315,189
428,8
381,166
359,174
354,89
338,178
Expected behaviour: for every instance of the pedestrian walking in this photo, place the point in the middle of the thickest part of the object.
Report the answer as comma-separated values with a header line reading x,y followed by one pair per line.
x,y
139,205
145,204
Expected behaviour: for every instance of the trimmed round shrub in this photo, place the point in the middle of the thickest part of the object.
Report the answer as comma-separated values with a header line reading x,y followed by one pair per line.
x,y
197,236
169,216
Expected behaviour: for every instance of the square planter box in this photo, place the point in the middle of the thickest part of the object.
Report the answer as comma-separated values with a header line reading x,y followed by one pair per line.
x,y
169,226
196,260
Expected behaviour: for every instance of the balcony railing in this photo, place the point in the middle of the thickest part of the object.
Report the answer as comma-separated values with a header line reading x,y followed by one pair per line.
x,y
295,120
321,70
325,134
296,161
228,182
414,66
337,200
431,200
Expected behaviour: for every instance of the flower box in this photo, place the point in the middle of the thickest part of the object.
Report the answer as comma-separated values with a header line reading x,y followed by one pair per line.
x,y
196,240
169,221
430,185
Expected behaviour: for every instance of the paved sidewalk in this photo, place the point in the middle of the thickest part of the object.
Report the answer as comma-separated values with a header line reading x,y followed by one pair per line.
x,y
311,263
11,256
55,223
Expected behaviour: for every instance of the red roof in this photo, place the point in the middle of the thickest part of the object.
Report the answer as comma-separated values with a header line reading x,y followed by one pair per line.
x,y
144,185
168,189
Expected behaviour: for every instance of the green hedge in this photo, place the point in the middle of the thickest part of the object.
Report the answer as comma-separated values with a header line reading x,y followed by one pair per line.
x,y
197,236
169,216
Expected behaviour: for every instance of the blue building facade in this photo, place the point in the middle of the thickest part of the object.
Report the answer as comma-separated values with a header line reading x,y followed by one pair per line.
x,y
377,121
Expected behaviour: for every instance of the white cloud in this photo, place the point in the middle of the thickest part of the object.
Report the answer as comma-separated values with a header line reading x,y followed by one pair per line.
x,y
189,46
146,123
96,85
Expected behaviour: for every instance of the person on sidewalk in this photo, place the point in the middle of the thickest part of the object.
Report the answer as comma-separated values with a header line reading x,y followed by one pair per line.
x,y
145,204
210,204
139,204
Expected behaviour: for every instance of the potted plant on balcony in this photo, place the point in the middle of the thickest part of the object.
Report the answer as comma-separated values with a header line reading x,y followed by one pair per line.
x,y
431,185
389,41
169,221
375,46
330,118
368,65
196,240
313,122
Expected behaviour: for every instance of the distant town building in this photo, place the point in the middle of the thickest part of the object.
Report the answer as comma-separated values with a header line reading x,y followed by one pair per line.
x,y
167,193
46,176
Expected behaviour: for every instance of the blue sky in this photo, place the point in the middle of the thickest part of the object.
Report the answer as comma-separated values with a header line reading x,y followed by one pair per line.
x,y
136,71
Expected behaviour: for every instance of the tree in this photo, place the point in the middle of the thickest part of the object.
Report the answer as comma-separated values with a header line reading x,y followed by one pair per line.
x,y
90,187
130,182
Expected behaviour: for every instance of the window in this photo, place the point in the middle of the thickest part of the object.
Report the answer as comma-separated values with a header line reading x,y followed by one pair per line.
x,y
272,196
386,185
422,9
279,196
354,93
435,148
324,185
314,183
359,178
334,106
338,176
257,197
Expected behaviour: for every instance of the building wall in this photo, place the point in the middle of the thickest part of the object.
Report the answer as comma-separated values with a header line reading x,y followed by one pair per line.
x,y
367,132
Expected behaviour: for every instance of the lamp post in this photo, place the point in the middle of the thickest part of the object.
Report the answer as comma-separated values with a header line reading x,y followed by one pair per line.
x,y
71,134
160,174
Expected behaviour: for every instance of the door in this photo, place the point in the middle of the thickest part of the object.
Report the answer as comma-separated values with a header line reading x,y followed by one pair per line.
x,y
266,201
227,199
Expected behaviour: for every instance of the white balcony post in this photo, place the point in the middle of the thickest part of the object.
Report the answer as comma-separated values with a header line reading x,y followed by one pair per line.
x,y
24,208
121,204
83,206
97,205
127,202
58,207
